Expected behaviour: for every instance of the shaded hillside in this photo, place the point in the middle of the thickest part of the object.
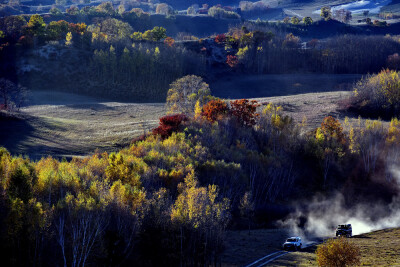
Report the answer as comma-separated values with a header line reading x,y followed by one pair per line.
x,y
199,26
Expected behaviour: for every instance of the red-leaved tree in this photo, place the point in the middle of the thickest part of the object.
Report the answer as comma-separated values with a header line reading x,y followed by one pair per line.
x,y
169,41
220,38
214,110
169,124
245,111
232,61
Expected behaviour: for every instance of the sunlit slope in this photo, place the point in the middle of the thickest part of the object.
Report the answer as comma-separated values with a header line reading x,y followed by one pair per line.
x,y
378,248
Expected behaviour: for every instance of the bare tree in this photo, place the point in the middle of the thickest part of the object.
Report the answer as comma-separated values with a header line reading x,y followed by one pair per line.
x,y
60,223
78,227
342,15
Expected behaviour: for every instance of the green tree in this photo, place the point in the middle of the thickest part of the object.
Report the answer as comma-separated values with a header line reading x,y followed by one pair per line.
x,y
326,13
147,35
307,21
158,33
55,11
106,8
114,29
137,36
121,9
295,20
20,184
73,10
14,25
56,30
36,25
219,13
185,92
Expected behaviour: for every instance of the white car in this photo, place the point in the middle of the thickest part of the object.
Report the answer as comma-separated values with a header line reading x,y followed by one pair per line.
x,y
292,243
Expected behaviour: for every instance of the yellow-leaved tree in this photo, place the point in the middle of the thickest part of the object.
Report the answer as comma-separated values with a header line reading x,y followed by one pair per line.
x,y
68,39
201,218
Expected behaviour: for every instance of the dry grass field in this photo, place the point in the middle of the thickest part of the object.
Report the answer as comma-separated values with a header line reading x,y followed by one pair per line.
x,y
65,125
62,124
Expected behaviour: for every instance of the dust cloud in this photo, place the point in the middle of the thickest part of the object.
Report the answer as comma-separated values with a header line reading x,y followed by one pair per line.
x,y
319,217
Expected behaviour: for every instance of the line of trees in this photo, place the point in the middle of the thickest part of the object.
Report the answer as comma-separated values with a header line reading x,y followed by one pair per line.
x,y
114,60
130,73
117,55
282,54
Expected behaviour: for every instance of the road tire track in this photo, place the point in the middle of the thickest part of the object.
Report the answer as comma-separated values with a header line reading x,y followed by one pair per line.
x,y
273,256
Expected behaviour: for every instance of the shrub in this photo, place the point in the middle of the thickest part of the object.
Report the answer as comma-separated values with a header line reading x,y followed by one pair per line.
x,y
169,124
214,110
169,41
331,130
232,61
245,111
291,41
220,38
378,94
378,23
338,252
393,61
286,20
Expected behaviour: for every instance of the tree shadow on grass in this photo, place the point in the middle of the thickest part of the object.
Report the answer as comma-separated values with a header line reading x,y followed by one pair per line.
x,y
17,130
310,249
14,130
362,236
91,106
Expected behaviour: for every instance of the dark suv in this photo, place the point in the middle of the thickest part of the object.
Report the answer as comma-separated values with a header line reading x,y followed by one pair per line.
x,y
344,230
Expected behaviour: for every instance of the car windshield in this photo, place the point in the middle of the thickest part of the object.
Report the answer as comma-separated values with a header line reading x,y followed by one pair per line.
x,y
291,240
342,227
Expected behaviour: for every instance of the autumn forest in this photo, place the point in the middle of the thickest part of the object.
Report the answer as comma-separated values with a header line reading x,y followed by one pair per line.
x,y
208,167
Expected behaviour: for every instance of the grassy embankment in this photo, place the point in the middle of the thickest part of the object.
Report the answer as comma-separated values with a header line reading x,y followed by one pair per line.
x,y
378,248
